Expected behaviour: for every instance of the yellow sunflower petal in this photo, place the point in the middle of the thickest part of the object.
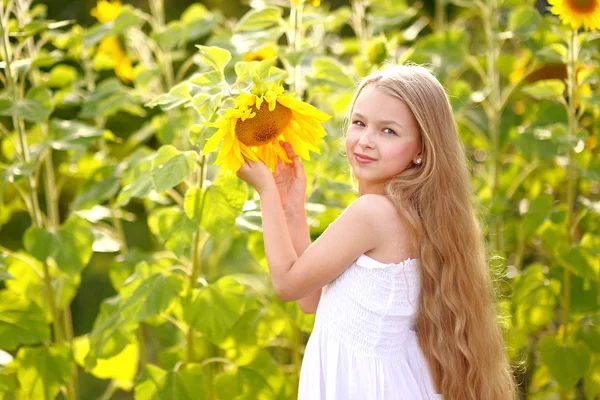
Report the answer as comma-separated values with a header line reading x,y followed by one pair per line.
x,y
303,108
213,142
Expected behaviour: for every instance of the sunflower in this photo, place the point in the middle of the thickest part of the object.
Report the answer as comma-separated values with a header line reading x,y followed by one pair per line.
x,y
577,12
106,11
258,122
259,55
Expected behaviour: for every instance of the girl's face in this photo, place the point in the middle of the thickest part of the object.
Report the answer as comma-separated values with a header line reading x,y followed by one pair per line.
x,y
385,132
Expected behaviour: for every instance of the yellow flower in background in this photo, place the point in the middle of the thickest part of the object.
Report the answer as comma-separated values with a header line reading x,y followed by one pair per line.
x,y
258,122
315,3
111,47
106,11
577,12
259,55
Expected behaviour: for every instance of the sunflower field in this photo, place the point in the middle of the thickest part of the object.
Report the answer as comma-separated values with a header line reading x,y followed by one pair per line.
x,y
131,257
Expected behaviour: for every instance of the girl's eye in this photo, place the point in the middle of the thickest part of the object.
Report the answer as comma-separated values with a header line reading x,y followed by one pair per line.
x,y
389,131
358,123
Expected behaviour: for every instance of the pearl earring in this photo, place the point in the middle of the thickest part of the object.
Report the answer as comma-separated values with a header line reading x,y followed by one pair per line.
x,y
419,160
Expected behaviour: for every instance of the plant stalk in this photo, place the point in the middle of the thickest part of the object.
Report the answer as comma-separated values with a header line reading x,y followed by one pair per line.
x,y
571,181
490,17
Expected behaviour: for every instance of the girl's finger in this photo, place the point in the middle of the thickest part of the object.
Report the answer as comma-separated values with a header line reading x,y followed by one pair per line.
x,y
288,149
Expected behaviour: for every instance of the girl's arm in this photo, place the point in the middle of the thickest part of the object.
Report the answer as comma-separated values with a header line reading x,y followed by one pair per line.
x,y
298,229
356,231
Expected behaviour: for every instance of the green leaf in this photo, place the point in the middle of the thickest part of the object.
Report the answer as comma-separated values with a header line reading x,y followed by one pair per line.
x,y
524,21
186,382
70,246
75,240
129,17
174,228
535,297
577,259
539,209
139,180
120,317
566,363
178,95
591,382
109,98
224,201
255,20
29,110
330,73
42,371
21,322
216,57
243,384
29,284
61,76
121,368
8,387
215,309
170,167
172,37
40,243
590,335
545,89
71,135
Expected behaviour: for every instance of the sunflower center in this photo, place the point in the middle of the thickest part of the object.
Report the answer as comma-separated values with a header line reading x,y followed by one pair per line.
x,y
582,5
264,126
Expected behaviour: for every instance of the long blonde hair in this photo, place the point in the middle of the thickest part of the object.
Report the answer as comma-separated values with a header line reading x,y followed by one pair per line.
x,y
456,323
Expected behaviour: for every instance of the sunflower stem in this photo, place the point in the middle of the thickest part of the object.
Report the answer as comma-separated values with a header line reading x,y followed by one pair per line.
x,y
490,17
198,241
296,42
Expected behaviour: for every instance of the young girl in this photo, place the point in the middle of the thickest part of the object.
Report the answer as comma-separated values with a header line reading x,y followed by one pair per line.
x,y
405,299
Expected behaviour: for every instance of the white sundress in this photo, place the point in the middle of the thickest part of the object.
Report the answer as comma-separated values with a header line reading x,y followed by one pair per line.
x,y
363,345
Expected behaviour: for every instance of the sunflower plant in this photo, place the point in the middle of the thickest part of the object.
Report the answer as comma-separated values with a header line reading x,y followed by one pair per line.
x,y
260,122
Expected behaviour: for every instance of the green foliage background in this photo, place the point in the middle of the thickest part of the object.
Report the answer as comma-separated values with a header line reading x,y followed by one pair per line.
x,y
130,267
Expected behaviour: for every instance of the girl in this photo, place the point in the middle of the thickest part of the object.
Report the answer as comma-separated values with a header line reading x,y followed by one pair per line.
x,y
406,305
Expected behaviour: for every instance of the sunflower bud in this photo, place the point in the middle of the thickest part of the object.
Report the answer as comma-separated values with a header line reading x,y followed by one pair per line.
x,y
376,51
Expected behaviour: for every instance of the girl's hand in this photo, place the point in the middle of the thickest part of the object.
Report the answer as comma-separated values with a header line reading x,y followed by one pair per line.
x,y
291,181
257,174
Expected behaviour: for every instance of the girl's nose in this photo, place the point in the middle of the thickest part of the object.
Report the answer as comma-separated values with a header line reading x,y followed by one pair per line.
x,y
366,139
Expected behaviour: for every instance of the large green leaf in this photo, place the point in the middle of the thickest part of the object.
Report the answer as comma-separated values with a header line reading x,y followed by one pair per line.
x,y
21,322
545,89
535,297
137,181
592,381
259,19
524,21
215,309
41,371
215,57
330,73
178,95
174,227
578,260
109,98
29,282
243,384
567,362
119,317
122,368
69,135
186,382
221,204
538,211
70,246
170,167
